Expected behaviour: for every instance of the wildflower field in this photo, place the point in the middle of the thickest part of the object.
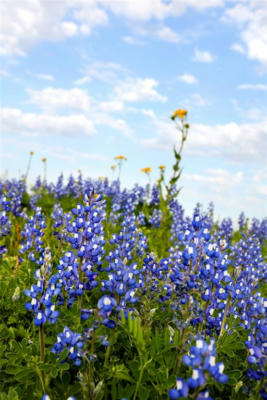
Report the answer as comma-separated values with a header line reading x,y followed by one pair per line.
x,y
108,293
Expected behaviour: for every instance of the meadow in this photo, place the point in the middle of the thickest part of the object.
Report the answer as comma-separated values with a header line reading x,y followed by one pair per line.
x,y
112,293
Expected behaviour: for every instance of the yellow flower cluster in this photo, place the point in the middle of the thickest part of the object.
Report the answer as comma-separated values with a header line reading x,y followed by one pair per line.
x,y
146,170
162,167
179,113
44,160
120,158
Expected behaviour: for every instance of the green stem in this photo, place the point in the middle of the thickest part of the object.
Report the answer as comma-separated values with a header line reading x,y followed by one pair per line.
x,y
179,358
44,179
40,374
42,352
224,317
139,381
28,167
108,350
197,393
91,367
42,343
179,348
204,317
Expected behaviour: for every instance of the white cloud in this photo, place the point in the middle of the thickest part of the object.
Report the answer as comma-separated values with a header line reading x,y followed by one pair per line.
x,y
203,56
31,21
58,151
82,81
156,9
68,154
111,106
195,100
251,19
188,78
143,10
51,99
138,89
158,31
85,29
253,113
108,72
133,40
14,121
69,28
115,123
262,190
260,176
4,73
221,178
45,77
167,34
131,90
238,47
237,143
252,86
89,13
227,188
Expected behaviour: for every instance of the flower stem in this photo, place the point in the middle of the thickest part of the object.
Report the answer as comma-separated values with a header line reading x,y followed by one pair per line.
x,y
224,317
139,381
42,352
108,350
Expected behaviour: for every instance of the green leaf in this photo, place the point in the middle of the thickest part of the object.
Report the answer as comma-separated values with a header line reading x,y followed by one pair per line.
x,y
98,391
64,366
12,394
63,355
53,372
120,372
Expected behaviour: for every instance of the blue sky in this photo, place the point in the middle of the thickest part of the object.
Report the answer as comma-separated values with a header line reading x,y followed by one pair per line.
x,y
84,81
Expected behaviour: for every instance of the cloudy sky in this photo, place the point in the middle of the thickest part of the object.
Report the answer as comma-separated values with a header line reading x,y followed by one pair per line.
x,y
85,80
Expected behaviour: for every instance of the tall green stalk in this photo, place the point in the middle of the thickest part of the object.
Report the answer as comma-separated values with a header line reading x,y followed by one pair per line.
x,y
28,166
225,316
42,352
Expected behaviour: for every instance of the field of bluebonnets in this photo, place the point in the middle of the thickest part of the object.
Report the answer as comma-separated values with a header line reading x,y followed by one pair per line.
x,y
108,293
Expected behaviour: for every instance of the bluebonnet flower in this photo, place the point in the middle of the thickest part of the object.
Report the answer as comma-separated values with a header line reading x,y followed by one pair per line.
x,y
181,390
202,360
204,396
241,220
73,342
155,218
106,304
43,293
85,314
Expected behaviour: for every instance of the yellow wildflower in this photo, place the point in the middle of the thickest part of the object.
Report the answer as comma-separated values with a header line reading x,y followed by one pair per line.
x,y
162,167
146,170
120,158
31,153
113,167
179,113
44,160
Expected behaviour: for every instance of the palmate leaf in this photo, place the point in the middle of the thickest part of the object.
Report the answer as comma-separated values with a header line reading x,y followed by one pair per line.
x,y
134,330
11,395
120,372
